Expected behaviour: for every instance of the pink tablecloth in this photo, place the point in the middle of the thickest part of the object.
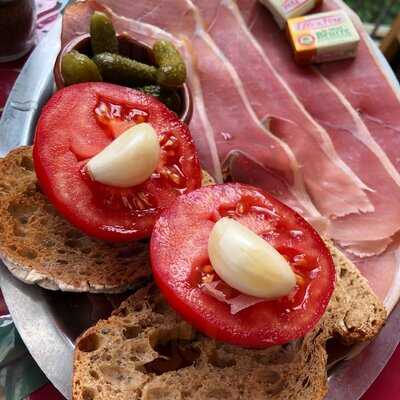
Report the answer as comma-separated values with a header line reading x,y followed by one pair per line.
x,y
387,386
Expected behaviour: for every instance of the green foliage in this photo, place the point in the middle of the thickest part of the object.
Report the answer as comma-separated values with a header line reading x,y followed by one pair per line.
x,y
369,10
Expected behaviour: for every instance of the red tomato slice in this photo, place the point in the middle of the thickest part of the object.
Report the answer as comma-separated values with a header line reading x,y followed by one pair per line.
x,y
181,265
75,125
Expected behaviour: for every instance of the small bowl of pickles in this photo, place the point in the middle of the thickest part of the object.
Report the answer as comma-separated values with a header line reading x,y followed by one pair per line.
x,y
105,56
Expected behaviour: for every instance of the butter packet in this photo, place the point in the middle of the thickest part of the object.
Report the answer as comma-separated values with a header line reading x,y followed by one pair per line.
x,y
323,37
282,10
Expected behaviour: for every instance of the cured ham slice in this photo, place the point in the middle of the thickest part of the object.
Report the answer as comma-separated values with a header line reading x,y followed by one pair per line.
x,y
276,105
366,86
359,146
247,171
349,134
366,248
383,274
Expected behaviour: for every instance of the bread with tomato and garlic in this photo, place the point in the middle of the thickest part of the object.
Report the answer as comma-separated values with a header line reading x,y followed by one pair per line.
x,y
39,246
146,351
239,271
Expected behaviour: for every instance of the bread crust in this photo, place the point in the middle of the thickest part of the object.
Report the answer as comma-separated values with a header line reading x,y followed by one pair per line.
x,y
40,247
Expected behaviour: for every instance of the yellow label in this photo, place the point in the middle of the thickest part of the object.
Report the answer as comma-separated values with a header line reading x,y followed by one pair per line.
x,y
323,37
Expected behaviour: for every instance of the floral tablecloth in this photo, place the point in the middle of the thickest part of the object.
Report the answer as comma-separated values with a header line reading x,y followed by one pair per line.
x,y
20,377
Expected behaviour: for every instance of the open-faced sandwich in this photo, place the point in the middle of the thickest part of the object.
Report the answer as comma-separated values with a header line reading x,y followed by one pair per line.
x,y
236,294
249,295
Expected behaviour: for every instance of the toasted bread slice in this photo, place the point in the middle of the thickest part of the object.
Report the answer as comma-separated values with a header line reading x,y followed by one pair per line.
x,y
145,351
40,247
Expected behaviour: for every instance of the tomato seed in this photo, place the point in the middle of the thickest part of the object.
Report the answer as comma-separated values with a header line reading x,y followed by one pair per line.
x,y
171,143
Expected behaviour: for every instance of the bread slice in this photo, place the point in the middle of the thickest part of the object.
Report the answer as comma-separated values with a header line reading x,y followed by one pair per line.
x,y
145,351
40,247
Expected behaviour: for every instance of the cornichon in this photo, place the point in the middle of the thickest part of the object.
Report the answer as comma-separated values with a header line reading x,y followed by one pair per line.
x,y
169,97
102,34
76,68
171,67
124,71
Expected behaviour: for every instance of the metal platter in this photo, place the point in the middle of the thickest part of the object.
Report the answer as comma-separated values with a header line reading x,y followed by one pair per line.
x,y
49,322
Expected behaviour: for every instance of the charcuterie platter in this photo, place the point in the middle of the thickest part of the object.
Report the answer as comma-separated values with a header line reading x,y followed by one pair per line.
x,y
50,321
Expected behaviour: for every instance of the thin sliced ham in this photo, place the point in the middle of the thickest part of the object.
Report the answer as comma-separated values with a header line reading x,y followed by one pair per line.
x,y
366,248
349,134
361,144
366,86
335,190
383,274
248,171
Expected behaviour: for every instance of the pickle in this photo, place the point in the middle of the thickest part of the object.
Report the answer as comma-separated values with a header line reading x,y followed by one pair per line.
x,y
124,71
171,67
169,97
76,68
102,34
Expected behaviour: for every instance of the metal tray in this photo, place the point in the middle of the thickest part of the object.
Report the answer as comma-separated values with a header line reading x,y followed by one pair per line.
x,y
49,322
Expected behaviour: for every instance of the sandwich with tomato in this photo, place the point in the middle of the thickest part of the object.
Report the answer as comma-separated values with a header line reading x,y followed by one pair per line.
x,y
244,293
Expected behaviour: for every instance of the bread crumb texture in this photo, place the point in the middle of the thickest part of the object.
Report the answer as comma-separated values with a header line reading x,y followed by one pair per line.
x,y
145,351
39,246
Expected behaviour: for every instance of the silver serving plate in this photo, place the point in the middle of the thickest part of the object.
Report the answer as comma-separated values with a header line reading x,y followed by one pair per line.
x,y
49,322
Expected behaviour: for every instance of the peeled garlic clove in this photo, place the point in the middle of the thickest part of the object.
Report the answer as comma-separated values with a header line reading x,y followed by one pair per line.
x,y
248,263
129,160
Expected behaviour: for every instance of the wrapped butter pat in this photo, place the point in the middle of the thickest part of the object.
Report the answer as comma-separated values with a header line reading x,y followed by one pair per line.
x,y
282,10
323,37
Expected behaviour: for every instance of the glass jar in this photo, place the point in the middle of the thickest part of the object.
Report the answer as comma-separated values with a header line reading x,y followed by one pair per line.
x,y
17,28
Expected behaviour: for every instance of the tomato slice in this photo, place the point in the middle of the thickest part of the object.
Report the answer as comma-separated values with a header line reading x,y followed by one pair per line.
x,y
181,266
75,125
